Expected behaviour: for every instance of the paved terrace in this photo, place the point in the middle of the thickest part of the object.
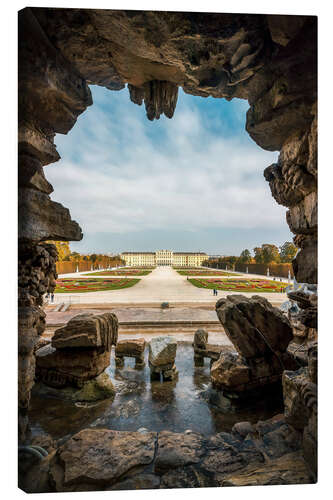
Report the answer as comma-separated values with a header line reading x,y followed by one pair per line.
x,y
163,284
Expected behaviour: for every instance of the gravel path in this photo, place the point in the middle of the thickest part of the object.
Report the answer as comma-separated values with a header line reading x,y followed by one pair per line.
x,y
163,284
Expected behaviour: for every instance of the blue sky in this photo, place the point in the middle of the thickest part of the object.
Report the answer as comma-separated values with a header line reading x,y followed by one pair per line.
x,y
194,182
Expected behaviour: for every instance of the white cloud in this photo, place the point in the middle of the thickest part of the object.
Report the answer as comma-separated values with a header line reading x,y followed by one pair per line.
x,y
118,175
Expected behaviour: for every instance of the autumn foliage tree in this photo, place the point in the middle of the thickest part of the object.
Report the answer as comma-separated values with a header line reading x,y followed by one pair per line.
x,y
103,260
287,251
266,254
228,261
245,257
75,257
62,249
258,257
270,254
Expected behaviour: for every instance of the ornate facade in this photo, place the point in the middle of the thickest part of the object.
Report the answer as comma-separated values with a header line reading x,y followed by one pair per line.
x,y
164,258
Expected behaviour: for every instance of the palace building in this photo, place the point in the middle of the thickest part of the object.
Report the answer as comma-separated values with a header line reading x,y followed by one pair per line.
x,y
164,258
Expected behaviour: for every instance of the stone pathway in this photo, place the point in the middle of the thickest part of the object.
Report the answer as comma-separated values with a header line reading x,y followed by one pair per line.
x,y
140,315
163,284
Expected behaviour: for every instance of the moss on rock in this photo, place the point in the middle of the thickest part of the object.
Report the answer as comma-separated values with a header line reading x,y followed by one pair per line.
x,y
96,389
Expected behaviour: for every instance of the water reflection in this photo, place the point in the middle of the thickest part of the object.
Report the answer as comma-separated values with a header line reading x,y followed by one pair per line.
x,y
181,404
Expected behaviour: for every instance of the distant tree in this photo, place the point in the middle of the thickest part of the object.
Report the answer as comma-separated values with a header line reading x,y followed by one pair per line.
x,y
75,257
93,258
229,261
62,249
245,257
258,257
266,254
270,254
232,260
287,251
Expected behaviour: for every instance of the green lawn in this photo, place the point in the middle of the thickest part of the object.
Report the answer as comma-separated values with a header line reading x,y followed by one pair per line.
x,y
240,285
72,285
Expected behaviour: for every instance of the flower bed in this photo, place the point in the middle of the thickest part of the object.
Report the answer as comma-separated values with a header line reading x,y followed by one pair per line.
x,y
121,272
68,285
241,285
204,272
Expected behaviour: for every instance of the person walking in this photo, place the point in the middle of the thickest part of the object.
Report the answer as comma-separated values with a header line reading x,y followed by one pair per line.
x,y
52,297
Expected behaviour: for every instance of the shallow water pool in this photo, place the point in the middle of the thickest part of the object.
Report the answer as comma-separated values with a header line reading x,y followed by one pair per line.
x,y
176,406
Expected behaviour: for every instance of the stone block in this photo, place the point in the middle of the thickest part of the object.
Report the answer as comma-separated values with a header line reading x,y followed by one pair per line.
x,y
201,338
88,331
162,351
62,367
130,347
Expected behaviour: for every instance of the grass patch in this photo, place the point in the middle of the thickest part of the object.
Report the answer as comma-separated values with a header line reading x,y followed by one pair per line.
x,y
72,285
241,285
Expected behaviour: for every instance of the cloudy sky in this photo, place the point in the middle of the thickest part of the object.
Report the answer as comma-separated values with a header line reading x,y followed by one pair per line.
x,y
194,182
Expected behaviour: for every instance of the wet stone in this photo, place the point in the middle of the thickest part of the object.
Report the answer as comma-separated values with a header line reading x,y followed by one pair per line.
x,y
60,367
162,351
177,450
200,338
130,348
162,355
96,389
99,457
242,429
89,331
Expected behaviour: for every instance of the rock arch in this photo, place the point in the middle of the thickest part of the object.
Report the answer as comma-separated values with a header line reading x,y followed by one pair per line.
x,y
270,60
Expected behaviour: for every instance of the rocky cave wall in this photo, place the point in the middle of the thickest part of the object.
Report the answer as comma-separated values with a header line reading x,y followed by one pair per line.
x,y
268,60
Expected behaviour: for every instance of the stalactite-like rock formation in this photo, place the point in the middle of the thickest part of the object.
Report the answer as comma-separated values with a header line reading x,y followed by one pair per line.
x,y
159,97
